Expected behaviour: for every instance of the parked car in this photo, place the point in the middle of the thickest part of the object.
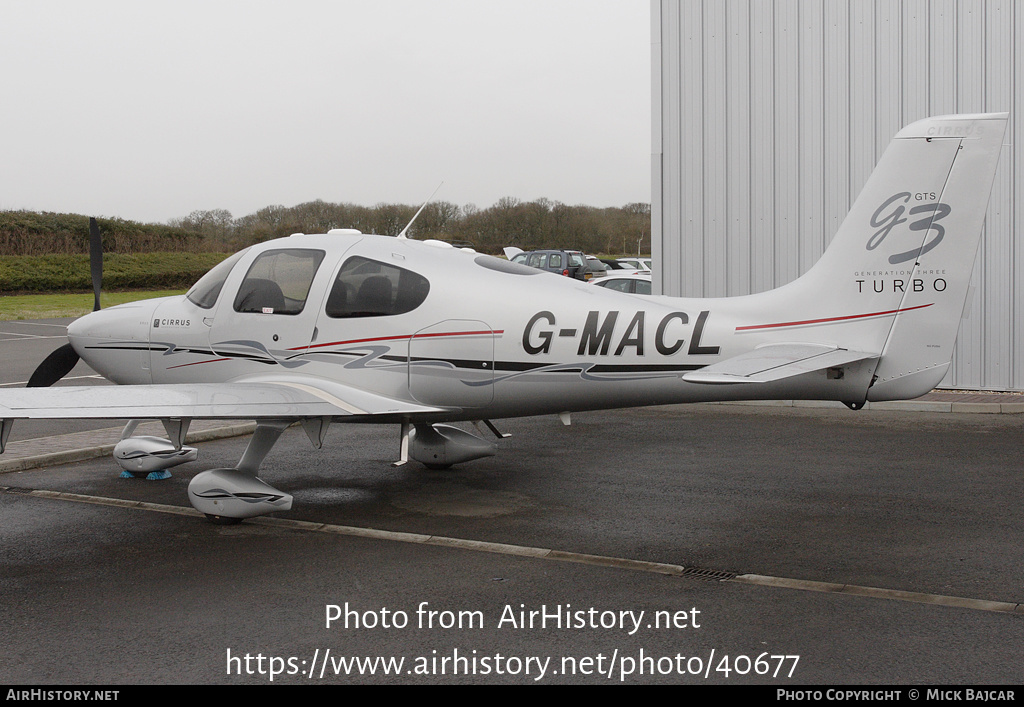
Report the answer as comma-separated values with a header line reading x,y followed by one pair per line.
x,y
616,267
570,263
615,264
641,264
630,284
596,267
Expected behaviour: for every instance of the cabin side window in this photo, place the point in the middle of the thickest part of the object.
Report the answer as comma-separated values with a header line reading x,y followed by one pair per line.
x,y
207,289
278,282
367,288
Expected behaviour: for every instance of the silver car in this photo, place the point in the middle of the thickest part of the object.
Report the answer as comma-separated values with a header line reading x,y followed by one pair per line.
x,y
630,284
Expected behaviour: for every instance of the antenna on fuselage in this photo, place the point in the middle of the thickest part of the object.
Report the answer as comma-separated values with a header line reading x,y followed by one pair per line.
x,y
409,225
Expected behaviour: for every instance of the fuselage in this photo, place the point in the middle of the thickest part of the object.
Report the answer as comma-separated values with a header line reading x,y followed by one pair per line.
x,y
427,323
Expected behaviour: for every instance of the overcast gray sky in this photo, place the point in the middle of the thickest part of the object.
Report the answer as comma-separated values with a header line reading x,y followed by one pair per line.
x,y
150,109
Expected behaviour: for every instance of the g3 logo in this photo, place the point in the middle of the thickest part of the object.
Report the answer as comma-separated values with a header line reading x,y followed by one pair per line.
x,y
887,218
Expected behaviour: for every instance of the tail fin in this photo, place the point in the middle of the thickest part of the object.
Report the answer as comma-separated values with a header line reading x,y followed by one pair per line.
x,y
900,265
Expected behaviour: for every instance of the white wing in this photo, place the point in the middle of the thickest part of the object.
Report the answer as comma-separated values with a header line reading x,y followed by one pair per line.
x,y
264,399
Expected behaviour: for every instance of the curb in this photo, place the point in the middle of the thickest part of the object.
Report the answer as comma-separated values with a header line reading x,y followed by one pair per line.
x,y
68,456
896,405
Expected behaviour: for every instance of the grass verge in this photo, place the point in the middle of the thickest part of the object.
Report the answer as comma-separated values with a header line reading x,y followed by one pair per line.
x,y
57,306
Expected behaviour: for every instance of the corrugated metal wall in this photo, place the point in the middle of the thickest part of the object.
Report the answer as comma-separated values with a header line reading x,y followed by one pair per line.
x,y
770,115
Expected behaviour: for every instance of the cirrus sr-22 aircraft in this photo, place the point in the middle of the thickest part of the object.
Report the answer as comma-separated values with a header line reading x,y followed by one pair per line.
x,y
347,327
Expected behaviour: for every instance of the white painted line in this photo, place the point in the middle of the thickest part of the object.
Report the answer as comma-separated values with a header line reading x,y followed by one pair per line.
x,y
18,322
551,555
22,384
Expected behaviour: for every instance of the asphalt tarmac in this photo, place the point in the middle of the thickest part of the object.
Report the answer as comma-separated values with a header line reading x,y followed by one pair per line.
x,y
770,546
23,346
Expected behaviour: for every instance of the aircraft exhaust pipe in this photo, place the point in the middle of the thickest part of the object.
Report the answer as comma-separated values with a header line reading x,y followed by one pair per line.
x,y
440,446
230,495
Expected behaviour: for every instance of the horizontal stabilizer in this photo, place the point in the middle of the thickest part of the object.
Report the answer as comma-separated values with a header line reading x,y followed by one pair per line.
x,y
775,362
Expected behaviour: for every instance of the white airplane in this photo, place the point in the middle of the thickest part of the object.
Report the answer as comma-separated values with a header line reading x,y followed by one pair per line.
x,y
347,327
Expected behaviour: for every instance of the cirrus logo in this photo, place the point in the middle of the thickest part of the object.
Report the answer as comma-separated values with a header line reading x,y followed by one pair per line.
x,y
891,214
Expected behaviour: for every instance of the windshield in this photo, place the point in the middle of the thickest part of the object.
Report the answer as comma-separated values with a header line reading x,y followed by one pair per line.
x,y
205,292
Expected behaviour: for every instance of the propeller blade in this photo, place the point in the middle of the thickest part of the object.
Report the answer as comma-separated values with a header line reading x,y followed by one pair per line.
x,y
95,260
54,367
59,363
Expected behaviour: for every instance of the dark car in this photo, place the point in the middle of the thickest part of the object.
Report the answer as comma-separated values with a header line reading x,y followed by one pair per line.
x,y
596,267
614,264
570,263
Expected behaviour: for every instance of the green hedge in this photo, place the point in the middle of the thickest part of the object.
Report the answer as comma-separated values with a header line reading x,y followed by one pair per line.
x,y
137,271
41,233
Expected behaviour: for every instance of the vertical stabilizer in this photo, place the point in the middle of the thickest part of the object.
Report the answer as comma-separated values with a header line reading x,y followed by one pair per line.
x,y
942,236
895,278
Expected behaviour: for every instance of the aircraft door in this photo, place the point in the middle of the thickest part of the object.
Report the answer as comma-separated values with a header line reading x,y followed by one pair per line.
x,y
452,363
270,318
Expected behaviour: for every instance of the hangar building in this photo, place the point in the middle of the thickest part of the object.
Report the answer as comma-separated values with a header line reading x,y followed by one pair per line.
x,y
769,116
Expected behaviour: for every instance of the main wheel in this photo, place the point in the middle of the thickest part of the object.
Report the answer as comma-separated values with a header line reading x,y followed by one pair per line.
x,y
222,520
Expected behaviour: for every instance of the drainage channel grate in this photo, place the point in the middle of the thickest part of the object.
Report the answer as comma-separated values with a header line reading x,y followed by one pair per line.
x,y
708,575
16,490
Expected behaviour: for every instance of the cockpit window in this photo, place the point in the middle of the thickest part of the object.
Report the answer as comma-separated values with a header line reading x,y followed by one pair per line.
x,y
206,291
278,282
367,288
